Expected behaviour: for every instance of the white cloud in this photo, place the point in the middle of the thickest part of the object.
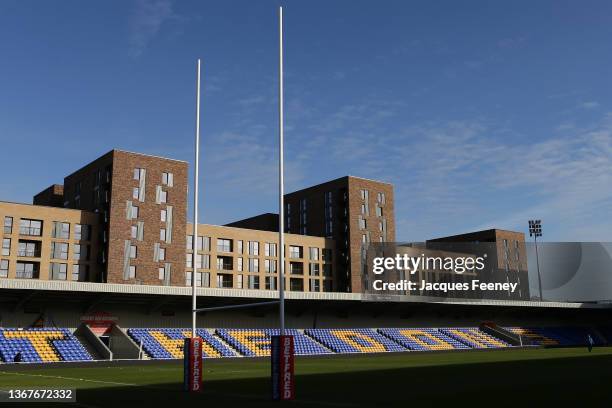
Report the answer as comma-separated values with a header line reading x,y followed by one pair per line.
x,y
589,105
146,23
455,176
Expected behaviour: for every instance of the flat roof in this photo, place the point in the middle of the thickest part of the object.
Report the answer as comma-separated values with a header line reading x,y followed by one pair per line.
x,y
185,291
46,206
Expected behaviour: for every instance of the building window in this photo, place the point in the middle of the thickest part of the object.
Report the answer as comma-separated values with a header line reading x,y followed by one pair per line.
x,y
203,243
59,250
202,261
239,246
295,251
381,198
61,230
315,285
190,242
253,248
303,217
30,227
327,270
253,282
163,196
270,283
365,210
327,255
80,273
162,254
315,269
224,245
224,263
138,173
288,217
327,285
4,265
168,179
328,213
314,254
239,264
270,265
134,212
206,261
135,193
27,270
81,252
269,249
133,251
82,232
164,215
253,265
296,285
8,225
161,273
132,272
189,260
134,231
6,247
239,281
58,271
224,280
296,268
162,234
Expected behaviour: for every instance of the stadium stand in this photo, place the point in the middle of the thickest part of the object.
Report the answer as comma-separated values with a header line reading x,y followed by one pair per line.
x,y
558,336
160,343
354,340
256,342
474,337
41,345
57,344
423,339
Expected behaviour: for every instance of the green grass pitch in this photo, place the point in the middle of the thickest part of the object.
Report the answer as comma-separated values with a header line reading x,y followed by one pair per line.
x,y
532,377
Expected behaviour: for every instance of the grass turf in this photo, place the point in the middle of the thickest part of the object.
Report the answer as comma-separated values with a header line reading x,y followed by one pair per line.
x,y
493,378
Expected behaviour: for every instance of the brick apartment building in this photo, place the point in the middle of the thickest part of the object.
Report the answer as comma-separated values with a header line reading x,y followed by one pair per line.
x,y
123,219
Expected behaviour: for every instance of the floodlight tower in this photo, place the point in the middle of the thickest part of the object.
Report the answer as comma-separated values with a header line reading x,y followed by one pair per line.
x,y
535,231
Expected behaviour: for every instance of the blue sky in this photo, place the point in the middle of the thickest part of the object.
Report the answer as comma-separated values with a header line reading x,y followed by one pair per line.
x,y
483,114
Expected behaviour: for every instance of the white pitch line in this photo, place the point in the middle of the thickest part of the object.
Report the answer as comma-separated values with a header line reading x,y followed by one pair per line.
x,y
68,378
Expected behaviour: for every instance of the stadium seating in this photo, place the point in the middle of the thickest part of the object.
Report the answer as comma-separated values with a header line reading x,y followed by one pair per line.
x,y
354,340
420,339
558,336
57,344
474,337
256,342
41,345
168,343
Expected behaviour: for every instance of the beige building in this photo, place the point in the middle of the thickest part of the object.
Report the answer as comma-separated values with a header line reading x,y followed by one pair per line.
x,y
48,243
241,258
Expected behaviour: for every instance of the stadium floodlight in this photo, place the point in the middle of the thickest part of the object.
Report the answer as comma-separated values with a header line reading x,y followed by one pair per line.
x,y
535,231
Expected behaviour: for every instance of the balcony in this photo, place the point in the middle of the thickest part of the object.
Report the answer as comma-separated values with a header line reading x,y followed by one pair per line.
x,y
224,263
296,268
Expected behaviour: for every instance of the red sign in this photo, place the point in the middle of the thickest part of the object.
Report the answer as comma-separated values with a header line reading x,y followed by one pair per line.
x,y
283,378
100,322
193,364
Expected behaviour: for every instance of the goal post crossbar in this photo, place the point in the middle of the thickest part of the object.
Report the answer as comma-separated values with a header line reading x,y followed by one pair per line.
x,y
210,309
